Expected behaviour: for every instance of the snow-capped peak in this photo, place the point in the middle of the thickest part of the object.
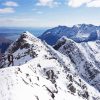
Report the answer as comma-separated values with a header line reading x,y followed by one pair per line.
x,y
77,25
25,39
28,34
22,49
62,41
64,38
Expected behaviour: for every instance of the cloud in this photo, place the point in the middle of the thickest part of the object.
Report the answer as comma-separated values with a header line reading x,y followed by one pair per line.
x,y
49,3
87,3
11,4
95,3
19,22
6,10
77,3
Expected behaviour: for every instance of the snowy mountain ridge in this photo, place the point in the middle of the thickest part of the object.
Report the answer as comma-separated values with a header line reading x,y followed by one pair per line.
x,y
85,57
46,75
78,33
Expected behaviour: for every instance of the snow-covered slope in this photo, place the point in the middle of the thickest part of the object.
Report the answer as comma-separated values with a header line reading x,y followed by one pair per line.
x,y
84,56
47,75
78,33
25,48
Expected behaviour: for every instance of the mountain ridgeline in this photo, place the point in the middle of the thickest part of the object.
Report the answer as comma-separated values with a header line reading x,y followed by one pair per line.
x,y
42,72
85,56
78,33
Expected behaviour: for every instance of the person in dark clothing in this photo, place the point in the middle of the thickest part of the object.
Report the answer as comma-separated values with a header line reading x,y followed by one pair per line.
x,y
50,74
10,59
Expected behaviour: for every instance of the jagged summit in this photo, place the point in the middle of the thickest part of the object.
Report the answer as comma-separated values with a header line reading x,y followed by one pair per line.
x,y
78,33
64,38
62,41
28,34
84,25
24,40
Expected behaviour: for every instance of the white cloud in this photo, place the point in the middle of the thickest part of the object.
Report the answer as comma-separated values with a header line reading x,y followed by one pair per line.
x,y
77,3
11,4
6,10
49,3
19,22
88,3
95,3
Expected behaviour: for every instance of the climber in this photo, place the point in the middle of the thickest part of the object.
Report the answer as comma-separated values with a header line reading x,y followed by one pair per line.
x,y
10,60
50,74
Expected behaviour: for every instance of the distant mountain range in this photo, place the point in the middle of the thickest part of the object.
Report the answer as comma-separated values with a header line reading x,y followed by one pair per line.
x,y
78,33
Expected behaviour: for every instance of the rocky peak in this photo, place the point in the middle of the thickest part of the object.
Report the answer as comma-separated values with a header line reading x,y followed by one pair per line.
x,y
62,41
23,41
25,47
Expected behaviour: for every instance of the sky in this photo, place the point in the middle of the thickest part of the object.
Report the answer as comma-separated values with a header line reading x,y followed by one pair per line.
x,y
48,13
